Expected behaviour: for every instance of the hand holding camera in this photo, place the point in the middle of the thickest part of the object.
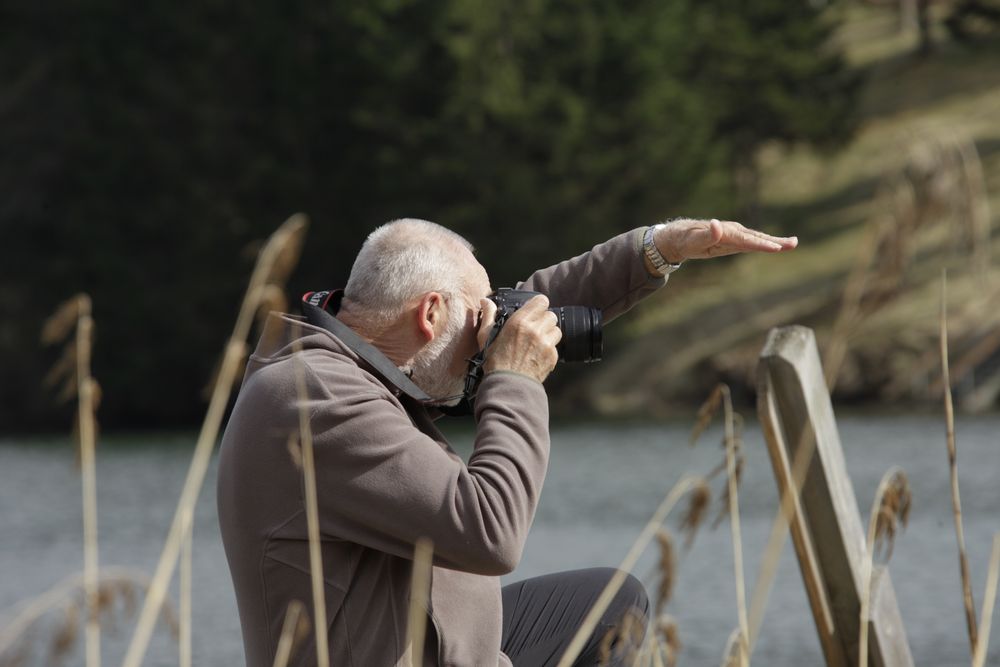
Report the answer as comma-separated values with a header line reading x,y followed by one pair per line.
x,y
526,344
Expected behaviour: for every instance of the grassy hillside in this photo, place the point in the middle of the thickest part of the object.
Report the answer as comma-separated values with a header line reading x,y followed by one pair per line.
x,y
917,115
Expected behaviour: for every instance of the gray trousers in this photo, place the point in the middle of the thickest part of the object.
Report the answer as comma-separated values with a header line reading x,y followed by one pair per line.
x,y
541,615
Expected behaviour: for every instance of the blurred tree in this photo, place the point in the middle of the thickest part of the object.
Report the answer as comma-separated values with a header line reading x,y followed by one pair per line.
x,y
147,144
771,73
971,19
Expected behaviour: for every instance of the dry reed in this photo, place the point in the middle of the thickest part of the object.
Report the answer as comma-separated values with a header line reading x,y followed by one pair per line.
x,y
668,640
850,304
956,499
74,365
890,508
989,600
697,510
706,412
667,568
787,510
65,636
420,585
626,639
293,630
184,635
731,654
734,522
658,659
312,512
115,585
273,262
586,628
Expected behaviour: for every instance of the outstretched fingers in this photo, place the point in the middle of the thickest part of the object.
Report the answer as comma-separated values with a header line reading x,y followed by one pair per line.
x,y
737,238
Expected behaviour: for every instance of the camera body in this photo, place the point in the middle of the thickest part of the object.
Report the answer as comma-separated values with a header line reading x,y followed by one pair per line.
x,y
582,337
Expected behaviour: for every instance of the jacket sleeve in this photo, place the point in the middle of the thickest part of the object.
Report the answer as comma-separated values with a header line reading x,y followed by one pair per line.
x,y
384,483
611,277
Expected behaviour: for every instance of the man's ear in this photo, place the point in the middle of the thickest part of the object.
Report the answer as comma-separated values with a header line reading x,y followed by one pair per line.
x,y
431,312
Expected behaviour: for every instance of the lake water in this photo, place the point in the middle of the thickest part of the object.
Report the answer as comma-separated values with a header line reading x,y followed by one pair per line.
x,y
604,482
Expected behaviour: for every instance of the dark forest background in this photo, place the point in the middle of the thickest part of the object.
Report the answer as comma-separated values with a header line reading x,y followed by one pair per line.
x,y
147,147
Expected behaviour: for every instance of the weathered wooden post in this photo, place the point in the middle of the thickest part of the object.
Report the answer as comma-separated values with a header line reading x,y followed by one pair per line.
x,y
796,415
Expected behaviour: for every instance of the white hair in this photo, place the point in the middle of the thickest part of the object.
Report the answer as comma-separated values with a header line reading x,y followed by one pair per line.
x,y
402,260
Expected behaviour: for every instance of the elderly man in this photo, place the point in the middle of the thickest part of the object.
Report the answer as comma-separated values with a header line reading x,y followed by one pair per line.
x,y
392,349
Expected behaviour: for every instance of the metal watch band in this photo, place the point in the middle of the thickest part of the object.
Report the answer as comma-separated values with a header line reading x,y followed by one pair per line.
x,y
653,253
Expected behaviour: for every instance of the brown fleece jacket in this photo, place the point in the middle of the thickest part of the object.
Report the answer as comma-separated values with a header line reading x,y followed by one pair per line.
x,y
386,476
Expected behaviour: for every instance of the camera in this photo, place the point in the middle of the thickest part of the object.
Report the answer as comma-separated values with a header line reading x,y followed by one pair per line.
x,y
582,339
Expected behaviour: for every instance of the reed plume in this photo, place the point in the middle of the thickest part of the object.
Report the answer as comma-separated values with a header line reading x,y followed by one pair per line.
x,y
68,600
668,639
956,499
74,366
272,265
667,568
614,584
732,437
293,631
697,509
706,412
65,637
623,640
893,514
890,509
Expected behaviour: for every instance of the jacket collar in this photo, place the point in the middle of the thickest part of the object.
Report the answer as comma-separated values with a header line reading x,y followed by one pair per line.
x,y
319,309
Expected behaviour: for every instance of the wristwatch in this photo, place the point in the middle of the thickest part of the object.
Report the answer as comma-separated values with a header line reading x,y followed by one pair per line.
x,y
653,253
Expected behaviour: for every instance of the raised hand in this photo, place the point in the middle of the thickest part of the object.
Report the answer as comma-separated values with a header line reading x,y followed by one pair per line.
x,y
684,239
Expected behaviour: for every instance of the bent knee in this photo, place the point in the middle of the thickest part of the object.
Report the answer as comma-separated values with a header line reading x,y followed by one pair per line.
x,y
632,595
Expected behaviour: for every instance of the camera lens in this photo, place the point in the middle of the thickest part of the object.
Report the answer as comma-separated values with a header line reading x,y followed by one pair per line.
x,y
582,339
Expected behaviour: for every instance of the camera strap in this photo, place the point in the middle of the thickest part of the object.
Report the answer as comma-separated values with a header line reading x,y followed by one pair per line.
x,y
315,308
319,309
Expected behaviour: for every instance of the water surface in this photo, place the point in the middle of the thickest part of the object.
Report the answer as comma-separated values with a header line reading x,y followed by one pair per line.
x,y
604,482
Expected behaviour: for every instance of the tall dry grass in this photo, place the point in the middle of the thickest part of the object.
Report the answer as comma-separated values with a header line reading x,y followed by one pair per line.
x,y
956,499
732,492
184,636
420,589
590,621
732,464
274,264
890,509
294,629
989,601
312,511
30,632
74,370
788,508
